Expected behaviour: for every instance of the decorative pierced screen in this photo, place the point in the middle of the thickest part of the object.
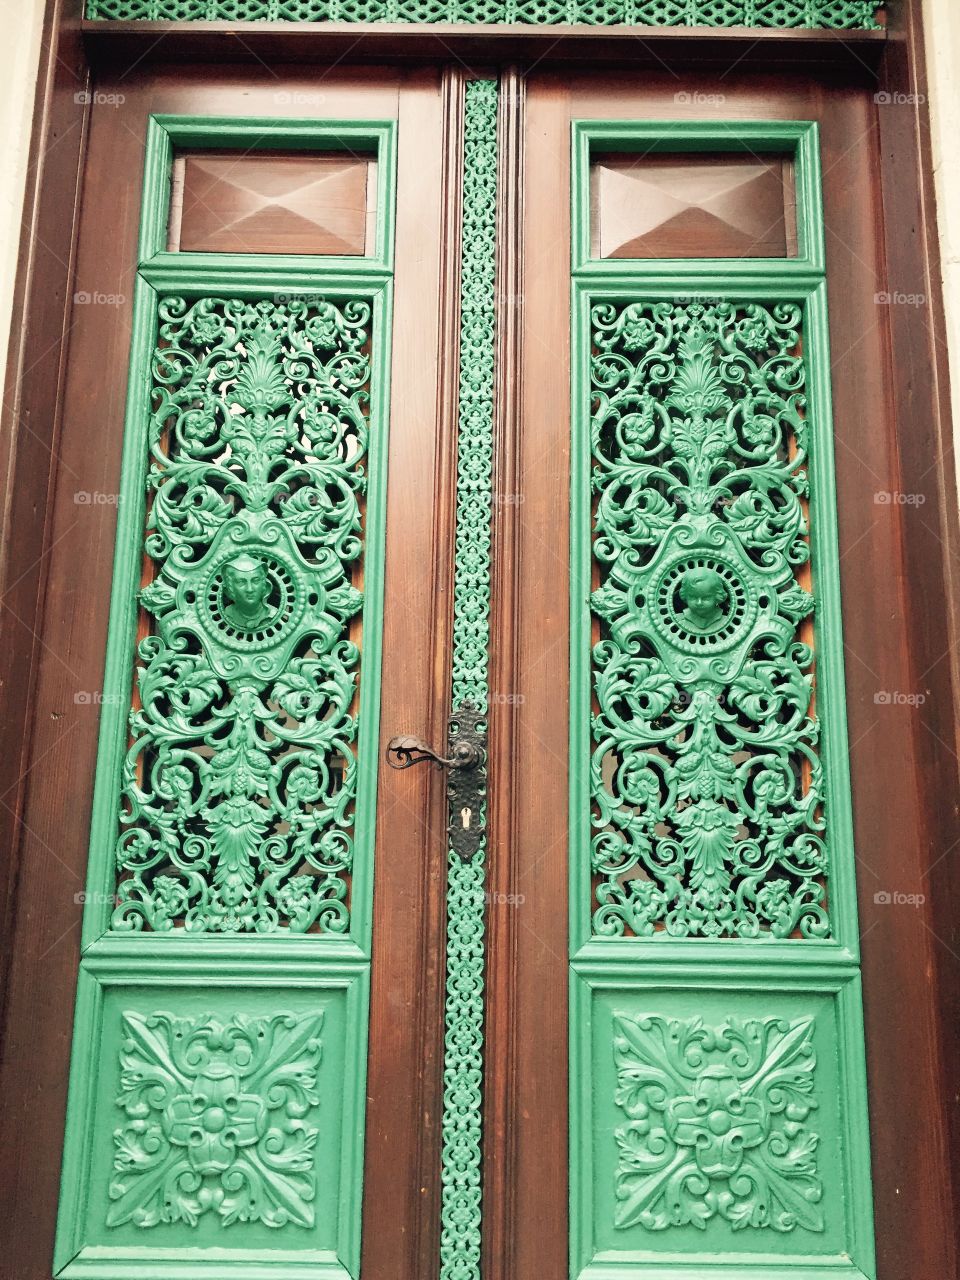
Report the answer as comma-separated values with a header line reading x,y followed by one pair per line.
x,y
838,14
239,785
462,1124
706,778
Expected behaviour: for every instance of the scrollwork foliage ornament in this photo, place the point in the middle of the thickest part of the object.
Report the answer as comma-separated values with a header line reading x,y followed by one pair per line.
x,y
707,786
239,784
218,1120
717,1124
461,1175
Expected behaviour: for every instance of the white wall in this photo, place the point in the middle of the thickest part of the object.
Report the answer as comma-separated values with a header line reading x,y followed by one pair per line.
x,y
20,22
942,29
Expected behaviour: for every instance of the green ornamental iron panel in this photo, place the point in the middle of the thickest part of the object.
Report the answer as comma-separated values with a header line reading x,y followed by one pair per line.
x,y
837,14
705,775
240,783
461,1124
216,1108
718,1092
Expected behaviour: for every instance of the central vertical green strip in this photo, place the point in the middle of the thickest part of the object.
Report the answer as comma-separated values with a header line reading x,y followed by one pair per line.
x,y
466,899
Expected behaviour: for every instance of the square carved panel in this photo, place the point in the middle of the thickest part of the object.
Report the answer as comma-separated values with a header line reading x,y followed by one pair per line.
x,y
219,1127
719,1132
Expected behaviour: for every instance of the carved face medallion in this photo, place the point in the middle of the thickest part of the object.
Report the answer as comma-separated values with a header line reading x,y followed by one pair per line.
x,y
704,595
247,587
250,600
700,603
253,598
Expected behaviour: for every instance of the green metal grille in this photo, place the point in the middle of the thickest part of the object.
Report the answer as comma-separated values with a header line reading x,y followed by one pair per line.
x,y
463,1030
837,14
712,823
241,772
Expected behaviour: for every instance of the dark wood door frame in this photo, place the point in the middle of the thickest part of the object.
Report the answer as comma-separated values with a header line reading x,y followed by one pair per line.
x,y
928,536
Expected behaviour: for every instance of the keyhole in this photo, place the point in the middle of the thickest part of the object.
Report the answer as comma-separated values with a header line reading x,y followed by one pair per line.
x,y
465,816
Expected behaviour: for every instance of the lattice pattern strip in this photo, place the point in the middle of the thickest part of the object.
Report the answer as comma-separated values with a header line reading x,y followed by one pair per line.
x,y
836,14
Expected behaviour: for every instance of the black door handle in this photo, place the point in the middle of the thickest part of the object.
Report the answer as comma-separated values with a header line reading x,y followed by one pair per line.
x,y
406,750
466,778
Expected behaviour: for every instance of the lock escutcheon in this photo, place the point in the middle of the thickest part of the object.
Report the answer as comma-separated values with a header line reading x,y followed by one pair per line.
x,y
466,773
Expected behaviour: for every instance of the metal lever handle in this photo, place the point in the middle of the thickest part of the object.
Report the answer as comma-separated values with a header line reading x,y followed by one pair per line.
x,y
405,751
467,777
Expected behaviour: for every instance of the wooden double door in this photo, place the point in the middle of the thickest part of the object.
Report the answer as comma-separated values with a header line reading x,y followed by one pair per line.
x,y
557,393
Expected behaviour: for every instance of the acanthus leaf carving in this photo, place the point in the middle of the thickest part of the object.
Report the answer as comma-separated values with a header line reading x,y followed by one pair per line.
x,y
218,1120
717,1124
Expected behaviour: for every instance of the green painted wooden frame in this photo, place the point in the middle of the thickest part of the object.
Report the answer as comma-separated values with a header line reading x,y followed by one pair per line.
x,y
797,139
244,276
111,967
826,568
732,279
183,962
753,965
165,134
838,986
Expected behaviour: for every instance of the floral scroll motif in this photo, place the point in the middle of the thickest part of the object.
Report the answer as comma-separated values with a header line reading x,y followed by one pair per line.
x,y
239,784
717,1124
461,1208
707,787
218,1120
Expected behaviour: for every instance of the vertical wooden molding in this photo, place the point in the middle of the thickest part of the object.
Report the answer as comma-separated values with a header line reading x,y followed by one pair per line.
x,y
445,498
31,413
412,1255
930,549
503,922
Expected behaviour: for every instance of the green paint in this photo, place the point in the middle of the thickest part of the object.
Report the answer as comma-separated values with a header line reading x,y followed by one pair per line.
x,y
320,1180
166,133
705,1132
240,783
463,1038
762,1193
227,942
753,137
843,14
705,774
227,1110
711,837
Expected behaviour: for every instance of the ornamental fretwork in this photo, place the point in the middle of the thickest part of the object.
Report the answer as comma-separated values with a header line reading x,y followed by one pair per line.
x,y
706,782
837,14
460,1212
239,784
